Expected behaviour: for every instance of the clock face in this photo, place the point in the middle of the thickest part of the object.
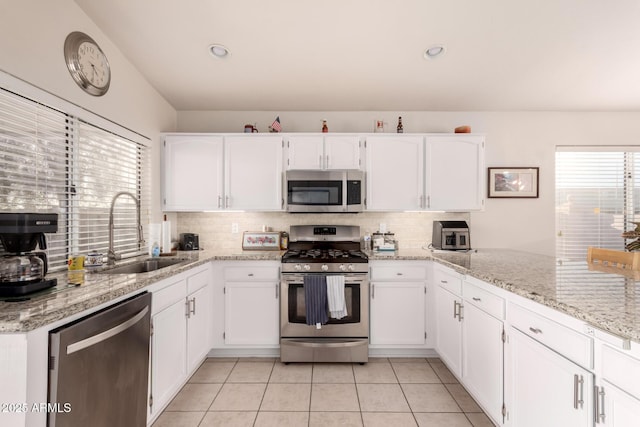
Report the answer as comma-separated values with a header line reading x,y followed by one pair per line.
x,y
87,63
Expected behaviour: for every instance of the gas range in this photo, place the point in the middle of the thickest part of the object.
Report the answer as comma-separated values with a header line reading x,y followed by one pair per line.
x,y
324,249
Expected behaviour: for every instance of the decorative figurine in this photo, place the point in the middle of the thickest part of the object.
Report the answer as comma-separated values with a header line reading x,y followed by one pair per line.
x,y
325,128
400,129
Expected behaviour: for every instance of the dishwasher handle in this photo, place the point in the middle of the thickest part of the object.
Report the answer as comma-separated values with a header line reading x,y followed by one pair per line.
x,y
102,336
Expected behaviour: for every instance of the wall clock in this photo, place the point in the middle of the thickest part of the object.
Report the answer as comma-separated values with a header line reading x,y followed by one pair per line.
x,y
87,64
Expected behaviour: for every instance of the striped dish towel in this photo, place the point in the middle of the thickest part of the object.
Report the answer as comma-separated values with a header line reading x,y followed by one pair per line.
x,y
315,299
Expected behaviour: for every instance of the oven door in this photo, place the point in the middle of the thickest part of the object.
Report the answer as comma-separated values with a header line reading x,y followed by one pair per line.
x,y
293,317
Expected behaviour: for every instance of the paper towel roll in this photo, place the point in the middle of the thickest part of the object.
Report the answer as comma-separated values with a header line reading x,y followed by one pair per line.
x,y
166,237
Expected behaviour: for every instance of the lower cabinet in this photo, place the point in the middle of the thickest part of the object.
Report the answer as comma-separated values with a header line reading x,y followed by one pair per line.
x,y
398,292
246,308
615,408
448,288
180,339
546,389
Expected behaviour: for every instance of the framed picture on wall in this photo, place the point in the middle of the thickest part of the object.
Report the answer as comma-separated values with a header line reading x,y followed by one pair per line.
x,y
520,182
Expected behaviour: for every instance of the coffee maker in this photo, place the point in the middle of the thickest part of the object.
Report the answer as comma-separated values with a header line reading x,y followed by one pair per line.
x,y
23,271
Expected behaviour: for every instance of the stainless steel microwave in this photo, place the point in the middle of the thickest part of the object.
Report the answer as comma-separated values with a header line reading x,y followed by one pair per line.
x,y
325,191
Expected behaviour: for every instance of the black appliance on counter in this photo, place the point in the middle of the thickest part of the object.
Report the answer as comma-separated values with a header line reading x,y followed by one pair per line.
x,y
24,271
451,235
189,242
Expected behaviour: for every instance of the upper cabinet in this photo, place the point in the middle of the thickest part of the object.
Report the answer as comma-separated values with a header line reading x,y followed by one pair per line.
x,y
317,152
415,172
192,175
209,173
454,178
395,173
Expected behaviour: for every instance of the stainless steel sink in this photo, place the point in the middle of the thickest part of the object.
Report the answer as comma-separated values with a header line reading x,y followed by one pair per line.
x,y
143,266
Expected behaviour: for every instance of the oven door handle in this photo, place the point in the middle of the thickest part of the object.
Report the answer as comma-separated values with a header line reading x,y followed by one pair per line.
x,y
324,344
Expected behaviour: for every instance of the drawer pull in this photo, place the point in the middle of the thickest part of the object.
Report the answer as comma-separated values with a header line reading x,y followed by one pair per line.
x,y
600,417
398,274
443,281
250,274
535,330
476,299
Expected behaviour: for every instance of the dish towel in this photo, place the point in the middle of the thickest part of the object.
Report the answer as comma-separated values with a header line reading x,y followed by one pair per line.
x,y
335,295
315,299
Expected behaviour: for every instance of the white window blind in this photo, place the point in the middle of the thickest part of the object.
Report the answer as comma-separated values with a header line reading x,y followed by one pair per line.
x,y
597,196
54,162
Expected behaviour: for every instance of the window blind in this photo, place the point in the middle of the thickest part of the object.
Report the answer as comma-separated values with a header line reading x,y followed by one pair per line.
x,y
597,196
54,162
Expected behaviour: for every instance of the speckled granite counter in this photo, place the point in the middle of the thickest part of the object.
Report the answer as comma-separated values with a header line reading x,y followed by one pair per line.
x,y
606,300
80,291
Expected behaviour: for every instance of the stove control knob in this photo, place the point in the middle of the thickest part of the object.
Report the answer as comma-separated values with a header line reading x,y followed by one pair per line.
x,y
307,267
350,267
324,267
342,267
297,267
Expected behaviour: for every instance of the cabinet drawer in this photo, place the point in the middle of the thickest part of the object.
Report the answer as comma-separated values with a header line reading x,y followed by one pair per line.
x,y
167,296
621,370
400,272
251,273
484,300
197,281
568,342
451,281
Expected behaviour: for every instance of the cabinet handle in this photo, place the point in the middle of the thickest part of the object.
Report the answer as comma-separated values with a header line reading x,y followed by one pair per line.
x,y
320,161
578,392
398,274
250,274
187,306
476,299
326,164
535,330
428,201
457,311
226,201
193,309
219,201
277,290
373,291
421,202
443,281
599,398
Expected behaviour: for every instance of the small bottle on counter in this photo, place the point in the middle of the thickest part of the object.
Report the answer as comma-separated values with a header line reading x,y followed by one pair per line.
x,y
284,240
400,128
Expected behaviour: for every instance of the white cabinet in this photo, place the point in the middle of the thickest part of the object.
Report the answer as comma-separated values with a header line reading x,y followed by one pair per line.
x,y
408,172
247,306
544,388
454,172
448,288
397,305
615,408
318,152
253,173
192,173
180,339
395,173
483,349
207,172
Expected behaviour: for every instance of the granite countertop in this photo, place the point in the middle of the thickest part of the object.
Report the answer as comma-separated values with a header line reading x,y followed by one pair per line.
x,y
605,299
80,291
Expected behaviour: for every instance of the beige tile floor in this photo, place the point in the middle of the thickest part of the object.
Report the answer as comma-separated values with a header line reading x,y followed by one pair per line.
x,y
264,392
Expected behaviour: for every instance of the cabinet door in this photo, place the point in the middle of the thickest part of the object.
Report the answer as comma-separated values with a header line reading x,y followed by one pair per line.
x,y
620,409
342,152
395,175
454,173
482,366
198,326
251,313
449,329
544,388
253,173
305,152
397,313
169,356
192,175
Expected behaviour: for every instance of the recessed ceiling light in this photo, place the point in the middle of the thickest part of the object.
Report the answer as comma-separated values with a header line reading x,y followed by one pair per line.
x,y
219,51
434,52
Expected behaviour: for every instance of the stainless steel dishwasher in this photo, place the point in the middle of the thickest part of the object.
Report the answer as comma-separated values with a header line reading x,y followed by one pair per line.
x,y
99,367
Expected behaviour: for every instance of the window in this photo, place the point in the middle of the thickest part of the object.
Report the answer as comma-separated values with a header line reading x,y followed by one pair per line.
x,y
597,197
52,161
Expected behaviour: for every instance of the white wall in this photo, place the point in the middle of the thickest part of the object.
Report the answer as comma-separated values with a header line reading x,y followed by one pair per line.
x,y
512,139
32,37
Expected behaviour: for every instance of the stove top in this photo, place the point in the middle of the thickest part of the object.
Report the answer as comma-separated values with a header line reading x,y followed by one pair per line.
x,y
328,255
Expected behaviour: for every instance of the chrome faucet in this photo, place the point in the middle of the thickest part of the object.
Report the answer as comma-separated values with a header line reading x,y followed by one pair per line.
x,y
111,255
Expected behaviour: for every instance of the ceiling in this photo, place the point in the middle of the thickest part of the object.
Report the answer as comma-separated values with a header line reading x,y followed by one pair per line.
x,y
351,55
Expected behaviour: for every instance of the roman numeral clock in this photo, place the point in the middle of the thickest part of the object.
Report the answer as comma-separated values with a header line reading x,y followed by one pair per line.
x,y
87,63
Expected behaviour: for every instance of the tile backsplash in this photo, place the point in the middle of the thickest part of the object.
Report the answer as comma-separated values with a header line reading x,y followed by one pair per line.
x,y
412,229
